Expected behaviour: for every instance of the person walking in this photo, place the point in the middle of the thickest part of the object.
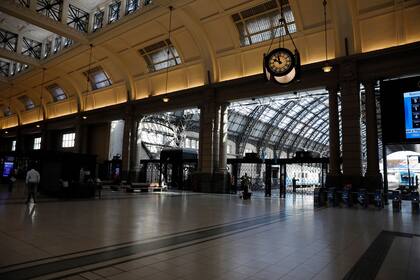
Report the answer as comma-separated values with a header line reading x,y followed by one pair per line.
x,y
32,181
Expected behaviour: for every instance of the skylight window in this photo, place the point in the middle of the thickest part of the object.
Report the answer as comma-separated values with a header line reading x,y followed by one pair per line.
x,y
57,44
261,23
4,68
98,20
114,12
31,48
57,92
27,102
160,56
98,78
78,18
132,6
8,40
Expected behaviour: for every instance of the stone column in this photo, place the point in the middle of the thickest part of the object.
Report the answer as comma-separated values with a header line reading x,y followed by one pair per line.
x,y
44,138
206,138
81,136
216,136
371,130
372,172
350,93
334,132
20,141
133,150
65,11
125,157
223,137
78,137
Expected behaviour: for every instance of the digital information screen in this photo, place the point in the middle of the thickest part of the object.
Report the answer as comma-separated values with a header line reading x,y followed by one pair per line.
x,y
412,114
7,169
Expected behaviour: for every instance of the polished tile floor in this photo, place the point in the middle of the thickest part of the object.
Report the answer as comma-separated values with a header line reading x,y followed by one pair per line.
x,y
203,236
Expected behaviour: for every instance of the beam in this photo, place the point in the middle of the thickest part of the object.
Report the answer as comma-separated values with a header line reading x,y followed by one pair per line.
x,y
3,80
17,57
30,16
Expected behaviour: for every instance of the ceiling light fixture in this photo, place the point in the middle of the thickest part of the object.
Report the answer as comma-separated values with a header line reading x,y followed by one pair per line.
x,y
38,126
84,117
165,99
327,67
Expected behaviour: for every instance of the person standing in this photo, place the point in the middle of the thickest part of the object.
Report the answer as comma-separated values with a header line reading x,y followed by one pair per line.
x,y
12,180
32,181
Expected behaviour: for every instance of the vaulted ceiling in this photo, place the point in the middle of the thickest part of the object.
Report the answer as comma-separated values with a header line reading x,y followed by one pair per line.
x,y
204,35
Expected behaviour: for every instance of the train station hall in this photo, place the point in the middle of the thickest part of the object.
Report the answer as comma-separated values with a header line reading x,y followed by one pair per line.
x,y
209,139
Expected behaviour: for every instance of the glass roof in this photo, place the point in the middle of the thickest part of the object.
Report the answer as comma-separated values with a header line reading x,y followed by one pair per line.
x,y
291,122
286,123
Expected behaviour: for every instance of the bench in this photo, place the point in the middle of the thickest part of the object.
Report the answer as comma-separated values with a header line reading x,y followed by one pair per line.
x,y
143,187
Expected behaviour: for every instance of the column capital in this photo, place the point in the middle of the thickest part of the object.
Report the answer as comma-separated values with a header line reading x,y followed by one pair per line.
x,y
224,104
369,84
348,71
332,88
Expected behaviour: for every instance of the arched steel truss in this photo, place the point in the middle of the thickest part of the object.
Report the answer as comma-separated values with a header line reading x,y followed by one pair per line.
x,y
287,124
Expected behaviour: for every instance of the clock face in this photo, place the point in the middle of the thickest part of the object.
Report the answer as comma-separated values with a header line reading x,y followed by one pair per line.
x,y
280,62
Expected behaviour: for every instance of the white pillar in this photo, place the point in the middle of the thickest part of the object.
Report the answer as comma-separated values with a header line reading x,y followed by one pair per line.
x,y
216,137
43,49
53,44
223,137
334,132
65,12
19,44
63,42
106,16
122,8
11,66
91,22
371,130
350,115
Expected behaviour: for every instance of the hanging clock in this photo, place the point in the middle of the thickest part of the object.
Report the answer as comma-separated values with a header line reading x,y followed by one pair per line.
x,y
282,66
279,62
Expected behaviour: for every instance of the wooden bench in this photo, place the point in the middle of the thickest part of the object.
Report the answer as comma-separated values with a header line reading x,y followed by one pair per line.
x,y
143,187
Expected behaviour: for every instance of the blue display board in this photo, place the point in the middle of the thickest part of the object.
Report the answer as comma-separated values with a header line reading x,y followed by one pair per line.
x,y
7,169
412,114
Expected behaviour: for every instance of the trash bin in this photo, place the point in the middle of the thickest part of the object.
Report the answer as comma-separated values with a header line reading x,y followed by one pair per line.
x,y
396,201
319,197
346,195
415,202
378,199
332,197
362,198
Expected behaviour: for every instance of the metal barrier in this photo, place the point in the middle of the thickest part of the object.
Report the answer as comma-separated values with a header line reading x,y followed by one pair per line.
x,y
298,175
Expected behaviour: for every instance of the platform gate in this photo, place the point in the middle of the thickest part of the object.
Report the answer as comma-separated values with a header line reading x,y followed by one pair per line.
x,y
279,176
